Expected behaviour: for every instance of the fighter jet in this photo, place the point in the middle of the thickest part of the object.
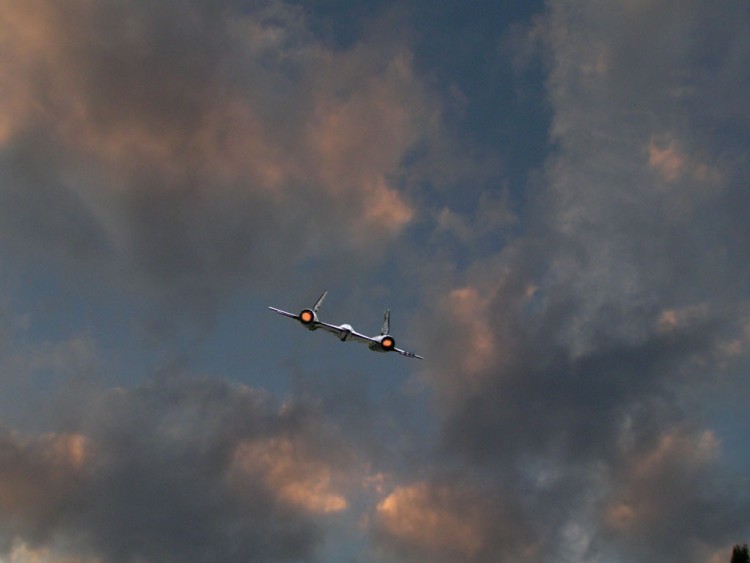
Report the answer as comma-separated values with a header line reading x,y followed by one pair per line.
x,y
384,342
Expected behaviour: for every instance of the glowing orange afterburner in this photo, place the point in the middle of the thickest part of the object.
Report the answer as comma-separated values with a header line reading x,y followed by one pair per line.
x,y
388,343
306,317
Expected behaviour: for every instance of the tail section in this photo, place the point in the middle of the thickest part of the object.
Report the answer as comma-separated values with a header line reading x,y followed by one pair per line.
x,y
319,302
386,323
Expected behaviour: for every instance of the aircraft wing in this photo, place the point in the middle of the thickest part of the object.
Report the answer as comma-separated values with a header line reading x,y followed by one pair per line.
x,y
280,312
364,339
407,354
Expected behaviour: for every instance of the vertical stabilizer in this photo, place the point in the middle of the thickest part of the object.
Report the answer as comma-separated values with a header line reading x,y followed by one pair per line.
x,y
319,302
386,322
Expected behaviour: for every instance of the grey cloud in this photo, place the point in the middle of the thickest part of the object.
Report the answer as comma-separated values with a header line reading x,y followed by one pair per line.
x,y
628,235
667,491
553,432
560,365
452,519
39,212
574,347
175,470
37,479
181,144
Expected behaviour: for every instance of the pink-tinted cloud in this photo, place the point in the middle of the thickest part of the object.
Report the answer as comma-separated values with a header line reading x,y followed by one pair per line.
x,y
664,489
643,500
617,302
409,514
449,521
40,475
668,161
299,480
181,150
184,469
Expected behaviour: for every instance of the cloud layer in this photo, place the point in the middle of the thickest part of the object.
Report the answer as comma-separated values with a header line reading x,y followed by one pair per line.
x,y
195,145
580,330
565,361
182,469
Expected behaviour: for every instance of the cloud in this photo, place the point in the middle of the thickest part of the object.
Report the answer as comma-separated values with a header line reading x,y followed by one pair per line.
x,y
28,364
633,210
652,501
442,520
668,161
39,475
179,468
468,310
189,149
193,145
618,300
407,514
299,481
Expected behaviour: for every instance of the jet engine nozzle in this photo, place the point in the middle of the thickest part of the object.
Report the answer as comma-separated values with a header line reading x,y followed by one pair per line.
x,y
307,317
387,343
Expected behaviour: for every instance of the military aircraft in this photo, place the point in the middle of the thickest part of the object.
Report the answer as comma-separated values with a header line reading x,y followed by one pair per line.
x,y
384,342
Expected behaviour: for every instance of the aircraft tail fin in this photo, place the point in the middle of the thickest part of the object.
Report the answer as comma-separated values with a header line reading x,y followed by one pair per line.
x,y
319,302
386,322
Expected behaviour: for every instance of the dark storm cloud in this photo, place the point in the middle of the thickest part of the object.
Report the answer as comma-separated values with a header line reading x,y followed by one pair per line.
x,y
188,470
564,362
193,145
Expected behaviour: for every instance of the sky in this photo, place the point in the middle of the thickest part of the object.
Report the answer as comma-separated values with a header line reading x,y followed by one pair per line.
x,y
550,196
